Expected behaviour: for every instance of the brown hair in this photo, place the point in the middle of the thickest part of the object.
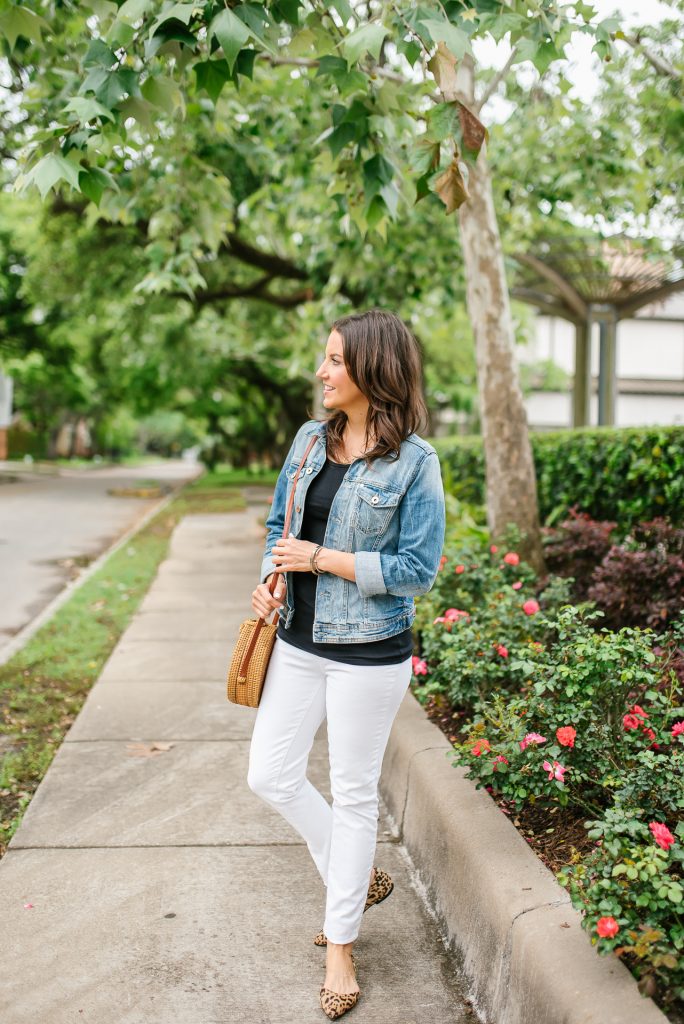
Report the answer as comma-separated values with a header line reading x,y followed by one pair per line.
x,y
384,359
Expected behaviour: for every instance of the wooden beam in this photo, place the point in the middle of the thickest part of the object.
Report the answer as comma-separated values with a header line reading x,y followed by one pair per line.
x,y
571,296
582,380
663,291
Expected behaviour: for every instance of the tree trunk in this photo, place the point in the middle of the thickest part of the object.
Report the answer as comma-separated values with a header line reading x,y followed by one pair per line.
x,y
510,475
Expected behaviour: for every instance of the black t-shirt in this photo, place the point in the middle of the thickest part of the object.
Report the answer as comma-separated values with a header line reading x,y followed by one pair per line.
x,y
390,651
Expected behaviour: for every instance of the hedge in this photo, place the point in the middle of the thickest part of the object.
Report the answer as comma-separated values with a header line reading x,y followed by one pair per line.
x,y
629,475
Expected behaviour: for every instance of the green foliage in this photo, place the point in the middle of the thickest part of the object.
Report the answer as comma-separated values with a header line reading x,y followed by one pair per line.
x,y
570,714
641,886
631,474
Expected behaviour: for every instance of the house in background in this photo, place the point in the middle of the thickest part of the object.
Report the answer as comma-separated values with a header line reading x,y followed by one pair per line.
x,y
649,368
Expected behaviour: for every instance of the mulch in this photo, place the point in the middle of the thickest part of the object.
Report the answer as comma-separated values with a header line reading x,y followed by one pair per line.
x,y
555,833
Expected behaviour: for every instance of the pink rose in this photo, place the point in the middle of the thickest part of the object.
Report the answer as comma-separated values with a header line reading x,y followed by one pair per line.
x,y
442,562
566,736
662,835
607,927
420,668
499,759
517,585
503,651
481,746
510,558
555,770
530,607
630,722
454,614
532,737
459,569
678,729
636,710
493,549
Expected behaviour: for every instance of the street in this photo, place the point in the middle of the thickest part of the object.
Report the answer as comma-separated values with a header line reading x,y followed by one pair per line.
x,y
46,520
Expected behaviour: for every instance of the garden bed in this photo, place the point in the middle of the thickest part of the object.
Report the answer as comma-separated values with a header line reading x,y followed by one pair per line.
x,y
575,730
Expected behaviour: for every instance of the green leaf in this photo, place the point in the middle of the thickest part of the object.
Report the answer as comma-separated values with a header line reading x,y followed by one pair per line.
x,y
133,11
178,12
20,21
410,49
365,39
99,54
212,75
51,169
232,34
287,10
93,182
255,17
343,9
444,32
163,92
443,121
87,109
341,137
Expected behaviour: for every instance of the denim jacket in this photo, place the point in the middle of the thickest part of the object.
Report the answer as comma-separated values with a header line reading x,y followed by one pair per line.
x,y
391,515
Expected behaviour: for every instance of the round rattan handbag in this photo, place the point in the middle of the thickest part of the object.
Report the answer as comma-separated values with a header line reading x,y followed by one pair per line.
x,y
254,646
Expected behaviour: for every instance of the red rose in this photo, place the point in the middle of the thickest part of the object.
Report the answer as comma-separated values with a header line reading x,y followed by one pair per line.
x,y
566,736
607,927
662,835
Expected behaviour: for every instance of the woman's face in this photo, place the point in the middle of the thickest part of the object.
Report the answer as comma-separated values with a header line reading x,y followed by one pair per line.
x,y
343,393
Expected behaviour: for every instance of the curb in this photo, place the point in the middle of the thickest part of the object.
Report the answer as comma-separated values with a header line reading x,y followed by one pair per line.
x,y
18,641
520,939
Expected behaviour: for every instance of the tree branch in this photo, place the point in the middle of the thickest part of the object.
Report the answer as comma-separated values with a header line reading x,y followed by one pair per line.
x,y
662,66
495,82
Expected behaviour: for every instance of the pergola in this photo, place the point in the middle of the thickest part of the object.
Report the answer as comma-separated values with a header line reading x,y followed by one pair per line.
x,y
587,280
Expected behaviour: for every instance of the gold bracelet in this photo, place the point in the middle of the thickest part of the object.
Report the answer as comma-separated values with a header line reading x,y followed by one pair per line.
x,y
312,561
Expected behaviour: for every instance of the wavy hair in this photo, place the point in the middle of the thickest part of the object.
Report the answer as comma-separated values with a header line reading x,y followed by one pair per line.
x,y
384,359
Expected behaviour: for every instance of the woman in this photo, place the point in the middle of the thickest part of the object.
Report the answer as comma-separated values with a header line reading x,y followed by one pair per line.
x,y
366,536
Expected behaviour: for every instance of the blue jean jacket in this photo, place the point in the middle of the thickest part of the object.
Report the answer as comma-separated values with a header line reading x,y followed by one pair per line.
x,y
392,516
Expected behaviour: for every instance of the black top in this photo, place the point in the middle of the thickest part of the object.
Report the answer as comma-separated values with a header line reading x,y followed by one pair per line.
x,y
389,651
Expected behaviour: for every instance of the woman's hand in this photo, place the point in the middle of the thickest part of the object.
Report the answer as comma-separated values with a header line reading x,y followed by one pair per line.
x,y
263,602
292,555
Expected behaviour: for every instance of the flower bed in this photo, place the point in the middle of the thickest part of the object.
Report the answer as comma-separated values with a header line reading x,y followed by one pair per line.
x,y
568,724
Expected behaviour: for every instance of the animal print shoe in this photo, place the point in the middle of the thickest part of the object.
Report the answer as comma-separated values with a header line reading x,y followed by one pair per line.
x,y
378,890
334,1004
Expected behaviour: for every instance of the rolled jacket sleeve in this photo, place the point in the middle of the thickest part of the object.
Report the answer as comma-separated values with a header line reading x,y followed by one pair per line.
x,y
413,568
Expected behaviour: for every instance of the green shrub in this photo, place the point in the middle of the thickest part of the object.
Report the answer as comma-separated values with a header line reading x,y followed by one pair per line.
x,y
623,474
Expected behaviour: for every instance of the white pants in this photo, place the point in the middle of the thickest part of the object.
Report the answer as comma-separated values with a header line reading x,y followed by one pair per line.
x,y
360,702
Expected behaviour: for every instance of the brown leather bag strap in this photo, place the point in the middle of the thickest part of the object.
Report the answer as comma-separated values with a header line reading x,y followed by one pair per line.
x,y
242,674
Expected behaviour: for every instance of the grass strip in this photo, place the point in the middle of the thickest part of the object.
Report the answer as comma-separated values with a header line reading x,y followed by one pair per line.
x,y
43,687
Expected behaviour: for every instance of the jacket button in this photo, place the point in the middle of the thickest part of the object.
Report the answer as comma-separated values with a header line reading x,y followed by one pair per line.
x,y
374,499
308,469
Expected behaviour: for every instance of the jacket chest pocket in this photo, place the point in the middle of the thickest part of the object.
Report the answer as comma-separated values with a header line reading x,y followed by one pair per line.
x,y
375,506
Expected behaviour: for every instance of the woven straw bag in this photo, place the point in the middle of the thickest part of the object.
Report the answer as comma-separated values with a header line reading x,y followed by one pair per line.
x,y
252,652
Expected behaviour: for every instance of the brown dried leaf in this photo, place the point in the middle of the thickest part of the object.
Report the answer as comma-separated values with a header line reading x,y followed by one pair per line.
x,y
147,750
443,67
474,132
451,188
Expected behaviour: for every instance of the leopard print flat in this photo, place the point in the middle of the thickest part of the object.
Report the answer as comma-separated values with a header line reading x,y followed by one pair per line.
x,y
334,1004
378,890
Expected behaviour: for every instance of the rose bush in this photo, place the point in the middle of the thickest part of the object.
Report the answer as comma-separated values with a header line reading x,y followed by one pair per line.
x,y
556,710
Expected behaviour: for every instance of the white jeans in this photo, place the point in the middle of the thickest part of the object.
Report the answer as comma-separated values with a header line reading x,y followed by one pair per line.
x,y
360,702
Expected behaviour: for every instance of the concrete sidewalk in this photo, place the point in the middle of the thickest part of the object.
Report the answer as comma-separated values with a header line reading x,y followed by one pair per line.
x,y
151,885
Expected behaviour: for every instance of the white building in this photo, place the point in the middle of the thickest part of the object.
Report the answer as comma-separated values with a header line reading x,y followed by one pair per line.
x,y
650,368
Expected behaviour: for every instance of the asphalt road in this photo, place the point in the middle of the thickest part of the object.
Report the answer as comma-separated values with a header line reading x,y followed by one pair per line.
x,y
47,521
